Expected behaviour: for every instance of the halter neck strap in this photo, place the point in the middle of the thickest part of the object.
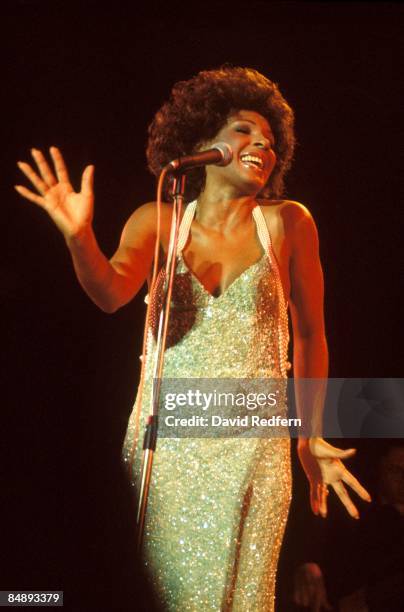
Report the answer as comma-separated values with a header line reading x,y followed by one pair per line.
x,y
262,229
185,226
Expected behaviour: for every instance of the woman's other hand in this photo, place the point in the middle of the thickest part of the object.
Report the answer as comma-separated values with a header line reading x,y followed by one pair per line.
x,y
323,466
71,212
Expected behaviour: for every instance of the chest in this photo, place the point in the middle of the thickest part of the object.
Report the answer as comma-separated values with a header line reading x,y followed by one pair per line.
x,y
217,260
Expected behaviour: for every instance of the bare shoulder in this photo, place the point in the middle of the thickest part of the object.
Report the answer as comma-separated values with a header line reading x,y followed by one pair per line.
x,y
290,221
148,212
144,221
290,211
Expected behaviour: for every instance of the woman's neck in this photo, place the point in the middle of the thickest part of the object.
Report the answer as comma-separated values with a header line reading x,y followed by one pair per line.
x,y
223,211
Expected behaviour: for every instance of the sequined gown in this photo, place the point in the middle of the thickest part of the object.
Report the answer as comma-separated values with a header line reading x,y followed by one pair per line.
x,y
218,507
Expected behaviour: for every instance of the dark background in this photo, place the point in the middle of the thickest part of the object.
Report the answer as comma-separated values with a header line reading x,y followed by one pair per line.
x,y
89,78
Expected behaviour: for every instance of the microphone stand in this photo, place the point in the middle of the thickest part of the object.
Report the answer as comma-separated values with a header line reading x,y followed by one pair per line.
x,y
150,436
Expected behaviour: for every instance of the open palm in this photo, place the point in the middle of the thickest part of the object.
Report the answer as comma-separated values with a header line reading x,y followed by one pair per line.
x,y
70,211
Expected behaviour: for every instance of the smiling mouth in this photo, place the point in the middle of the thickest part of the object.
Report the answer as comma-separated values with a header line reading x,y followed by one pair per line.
x,y
252,161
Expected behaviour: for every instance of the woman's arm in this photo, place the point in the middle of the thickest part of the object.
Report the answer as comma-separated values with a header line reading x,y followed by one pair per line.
x,y
109,283
320,461
113,283
310,353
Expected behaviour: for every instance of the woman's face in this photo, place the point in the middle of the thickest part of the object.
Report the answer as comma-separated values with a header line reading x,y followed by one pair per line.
x,y
250,137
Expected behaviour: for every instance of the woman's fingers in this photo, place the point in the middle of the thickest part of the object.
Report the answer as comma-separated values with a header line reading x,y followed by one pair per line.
x,y
43,167
37,182
314,501
29,195
344,497
341,453
350,480
87,180
45,179
60,166
322,497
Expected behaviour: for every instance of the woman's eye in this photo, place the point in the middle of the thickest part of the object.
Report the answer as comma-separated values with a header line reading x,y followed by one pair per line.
x,y
243,130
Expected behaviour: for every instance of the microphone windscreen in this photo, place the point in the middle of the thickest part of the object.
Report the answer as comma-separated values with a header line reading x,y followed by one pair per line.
x,y
226,152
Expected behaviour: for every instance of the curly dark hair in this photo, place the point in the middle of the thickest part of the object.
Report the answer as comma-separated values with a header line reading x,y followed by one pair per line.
x,y
197,110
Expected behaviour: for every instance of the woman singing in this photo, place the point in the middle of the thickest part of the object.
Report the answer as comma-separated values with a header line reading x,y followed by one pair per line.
x,y
218,507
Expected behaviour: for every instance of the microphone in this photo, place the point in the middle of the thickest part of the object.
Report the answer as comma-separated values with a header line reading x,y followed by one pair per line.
x,y
220,154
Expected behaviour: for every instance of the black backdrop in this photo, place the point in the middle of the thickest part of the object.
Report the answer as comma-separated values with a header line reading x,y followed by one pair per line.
x,y
88,78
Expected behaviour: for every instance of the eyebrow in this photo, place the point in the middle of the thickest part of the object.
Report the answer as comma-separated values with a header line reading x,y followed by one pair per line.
x,y
271,136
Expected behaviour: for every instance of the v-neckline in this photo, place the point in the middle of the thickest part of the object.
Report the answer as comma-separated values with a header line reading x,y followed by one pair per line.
x,y
261,232
205,290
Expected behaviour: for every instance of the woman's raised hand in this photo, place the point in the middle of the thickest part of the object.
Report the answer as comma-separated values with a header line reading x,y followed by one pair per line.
x,y
72,212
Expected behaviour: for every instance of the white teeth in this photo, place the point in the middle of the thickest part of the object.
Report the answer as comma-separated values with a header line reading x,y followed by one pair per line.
x,y
253,159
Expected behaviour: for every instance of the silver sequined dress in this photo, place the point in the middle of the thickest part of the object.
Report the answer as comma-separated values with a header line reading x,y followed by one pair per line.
x,y
218,507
